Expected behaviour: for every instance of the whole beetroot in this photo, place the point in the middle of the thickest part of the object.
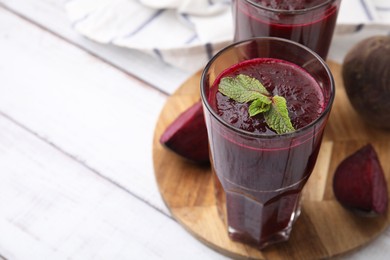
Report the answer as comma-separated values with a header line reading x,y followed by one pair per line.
x,y
366,75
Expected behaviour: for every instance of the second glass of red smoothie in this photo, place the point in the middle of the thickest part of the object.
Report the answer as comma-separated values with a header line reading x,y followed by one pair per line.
x,y
309,22
259,172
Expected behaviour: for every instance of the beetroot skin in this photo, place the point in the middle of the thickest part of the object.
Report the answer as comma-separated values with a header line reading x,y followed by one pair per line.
x,y
359,182
187,135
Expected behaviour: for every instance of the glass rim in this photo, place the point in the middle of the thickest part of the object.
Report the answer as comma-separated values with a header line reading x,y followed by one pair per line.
x,y
299,11
261,135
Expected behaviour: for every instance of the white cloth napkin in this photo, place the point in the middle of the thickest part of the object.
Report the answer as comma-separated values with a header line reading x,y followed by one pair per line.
x,y
382,8
186,33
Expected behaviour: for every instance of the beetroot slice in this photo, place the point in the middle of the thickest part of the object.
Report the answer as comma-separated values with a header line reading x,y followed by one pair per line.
x,y
359,182
187,135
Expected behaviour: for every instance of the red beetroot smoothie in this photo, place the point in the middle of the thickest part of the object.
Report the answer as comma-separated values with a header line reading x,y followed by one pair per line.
x,y
313,29
262,200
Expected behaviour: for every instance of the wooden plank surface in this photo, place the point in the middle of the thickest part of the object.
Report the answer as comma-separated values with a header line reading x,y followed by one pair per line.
x,y
97,114
53,207
75,155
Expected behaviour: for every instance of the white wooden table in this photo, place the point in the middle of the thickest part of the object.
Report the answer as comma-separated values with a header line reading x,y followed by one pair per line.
x,y
76,126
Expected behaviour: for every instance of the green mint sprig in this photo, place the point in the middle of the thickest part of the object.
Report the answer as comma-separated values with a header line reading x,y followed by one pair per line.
x,y
244,89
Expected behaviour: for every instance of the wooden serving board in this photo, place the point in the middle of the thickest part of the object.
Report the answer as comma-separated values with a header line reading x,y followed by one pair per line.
x,y
325,229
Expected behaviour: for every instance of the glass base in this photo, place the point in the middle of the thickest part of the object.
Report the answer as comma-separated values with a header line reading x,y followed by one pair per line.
x,y
278,237
255,223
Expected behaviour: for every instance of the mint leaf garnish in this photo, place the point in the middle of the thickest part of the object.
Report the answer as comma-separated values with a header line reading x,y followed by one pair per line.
x,y
277,117
258,106
244,89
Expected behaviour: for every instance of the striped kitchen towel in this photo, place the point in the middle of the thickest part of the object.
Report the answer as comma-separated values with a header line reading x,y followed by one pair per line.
x,y
186,33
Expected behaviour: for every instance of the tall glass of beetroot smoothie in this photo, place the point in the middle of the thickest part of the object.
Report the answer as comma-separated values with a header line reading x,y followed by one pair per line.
x,y
309,22
260,172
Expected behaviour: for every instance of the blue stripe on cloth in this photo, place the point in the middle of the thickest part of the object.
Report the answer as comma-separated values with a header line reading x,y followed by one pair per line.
x,y
383,8
158,54
209,50
76,22
366,10
145,23
187,19
191,39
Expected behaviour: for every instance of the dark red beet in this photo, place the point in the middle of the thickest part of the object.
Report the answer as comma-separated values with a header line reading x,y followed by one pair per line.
x,y
359,182
366,77
187,135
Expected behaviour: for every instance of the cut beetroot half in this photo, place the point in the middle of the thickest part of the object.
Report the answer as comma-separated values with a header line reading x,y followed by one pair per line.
x,y
187,135
359,182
